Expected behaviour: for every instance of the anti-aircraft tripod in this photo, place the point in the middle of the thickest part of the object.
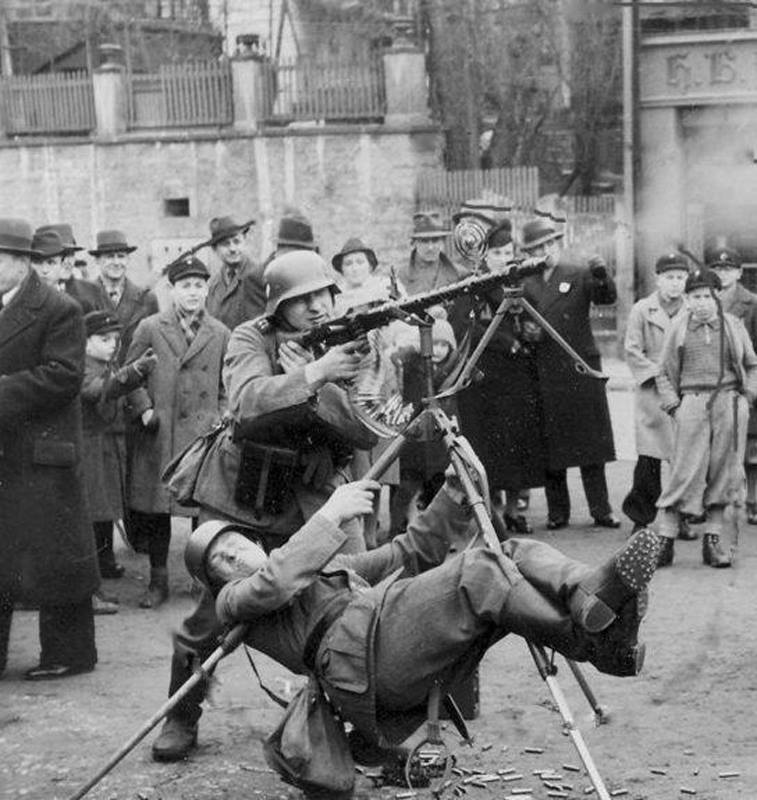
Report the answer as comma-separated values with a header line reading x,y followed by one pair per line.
x,y
432,422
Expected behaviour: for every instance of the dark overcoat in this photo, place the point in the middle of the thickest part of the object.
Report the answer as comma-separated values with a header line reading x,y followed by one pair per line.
x,y
46,540
239,300
577,428
85,294
500,414
104,441
185,391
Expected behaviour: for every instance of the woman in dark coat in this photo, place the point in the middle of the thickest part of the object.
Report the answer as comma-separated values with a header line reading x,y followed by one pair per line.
x,y
501,414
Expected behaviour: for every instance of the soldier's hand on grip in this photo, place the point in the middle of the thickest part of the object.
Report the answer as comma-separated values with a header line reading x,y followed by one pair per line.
x,y
292,356
350,500
340,363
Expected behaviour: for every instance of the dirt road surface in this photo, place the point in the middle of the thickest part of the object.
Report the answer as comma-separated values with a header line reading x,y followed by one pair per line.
x,y
685,720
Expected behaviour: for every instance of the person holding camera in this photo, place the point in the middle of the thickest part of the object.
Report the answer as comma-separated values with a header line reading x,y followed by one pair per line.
x,y
576,417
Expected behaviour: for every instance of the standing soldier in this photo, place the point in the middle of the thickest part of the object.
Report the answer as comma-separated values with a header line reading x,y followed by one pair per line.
x,y
648,323
47,550
287,448
577,426
183,399
235,292
736,299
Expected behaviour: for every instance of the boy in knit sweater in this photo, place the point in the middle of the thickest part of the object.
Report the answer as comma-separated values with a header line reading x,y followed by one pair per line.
x,y
707,382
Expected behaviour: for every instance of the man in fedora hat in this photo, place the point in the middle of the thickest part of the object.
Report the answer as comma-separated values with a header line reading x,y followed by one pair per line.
x,y
236,292
47,550
129,302
47,257
295,233
577,426
82,291
429,267
182,399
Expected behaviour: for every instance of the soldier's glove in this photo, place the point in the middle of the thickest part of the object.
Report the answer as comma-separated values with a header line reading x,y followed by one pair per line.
x,y
598,268
319,467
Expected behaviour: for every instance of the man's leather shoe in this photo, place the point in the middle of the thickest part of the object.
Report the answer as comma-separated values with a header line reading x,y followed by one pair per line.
x,y
608,521
597,600
713,554
176,741
557,524
665,553
53,671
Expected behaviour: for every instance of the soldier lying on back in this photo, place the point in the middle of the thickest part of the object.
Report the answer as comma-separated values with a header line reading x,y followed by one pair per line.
x,y
380,629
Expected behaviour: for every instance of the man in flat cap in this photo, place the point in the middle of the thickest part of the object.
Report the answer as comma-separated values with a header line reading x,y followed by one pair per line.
x,y
41,368
182,399
236,292
82,291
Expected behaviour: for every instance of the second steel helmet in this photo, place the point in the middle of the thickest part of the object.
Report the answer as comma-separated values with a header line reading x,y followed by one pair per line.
x,y
293,275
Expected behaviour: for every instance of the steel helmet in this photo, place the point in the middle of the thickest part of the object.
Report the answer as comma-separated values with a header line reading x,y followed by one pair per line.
x,y
293,275
200,540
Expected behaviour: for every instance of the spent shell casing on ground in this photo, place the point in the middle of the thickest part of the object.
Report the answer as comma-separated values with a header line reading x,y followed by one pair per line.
x,y
618,792
506,771
537,750
552,785
658,771
589,790
687,790
405,795
524,790
515,777
556,793
571,767
729,774
485,747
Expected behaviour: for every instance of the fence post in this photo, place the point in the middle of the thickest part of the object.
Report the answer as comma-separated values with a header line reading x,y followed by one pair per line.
x,y
405,84
247,90
109,88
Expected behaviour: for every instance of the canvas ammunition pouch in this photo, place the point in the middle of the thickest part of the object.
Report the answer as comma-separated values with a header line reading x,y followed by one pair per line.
x,y
265,476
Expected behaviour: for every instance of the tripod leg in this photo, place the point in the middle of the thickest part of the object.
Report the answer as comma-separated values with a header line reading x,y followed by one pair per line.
x,y
600,715
548,674
480,511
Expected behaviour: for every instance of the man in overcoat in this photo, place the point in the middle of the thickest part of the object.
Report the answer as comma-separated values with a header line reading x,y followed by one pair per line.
x,y
648,322
428,267
288,446
577,427
47,551
182,399
235,292
380,629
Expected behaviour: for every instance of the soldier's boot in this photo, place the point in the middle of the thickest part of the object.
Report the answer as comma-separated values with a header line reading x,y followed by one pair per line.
x,y
594,596
157,591
713,554
614,650
178,737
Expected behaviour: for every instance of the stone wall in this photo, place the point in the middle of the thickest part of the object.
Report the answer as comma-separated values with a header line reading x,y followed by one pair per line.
x,y
349,181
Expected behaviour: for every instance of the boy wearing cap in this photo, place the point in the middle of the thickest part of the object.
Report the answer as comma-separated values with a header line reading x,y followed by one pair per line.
x,y
104,445
649,320
235,292
739,301
707,381
183,398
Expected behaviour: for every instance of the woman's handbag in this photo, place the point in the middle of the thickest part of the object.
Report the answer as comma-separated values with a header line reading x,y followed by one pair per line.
x,y
309,748
180,474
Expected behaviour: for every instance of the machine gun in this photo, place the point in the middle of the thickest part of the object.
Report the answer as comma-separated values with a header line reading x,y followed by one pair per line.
x,y
358,321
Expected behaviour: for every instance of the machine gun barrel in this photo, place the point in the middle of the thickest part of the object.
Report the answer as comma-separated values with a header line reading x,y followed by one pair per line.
x,y
359,321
